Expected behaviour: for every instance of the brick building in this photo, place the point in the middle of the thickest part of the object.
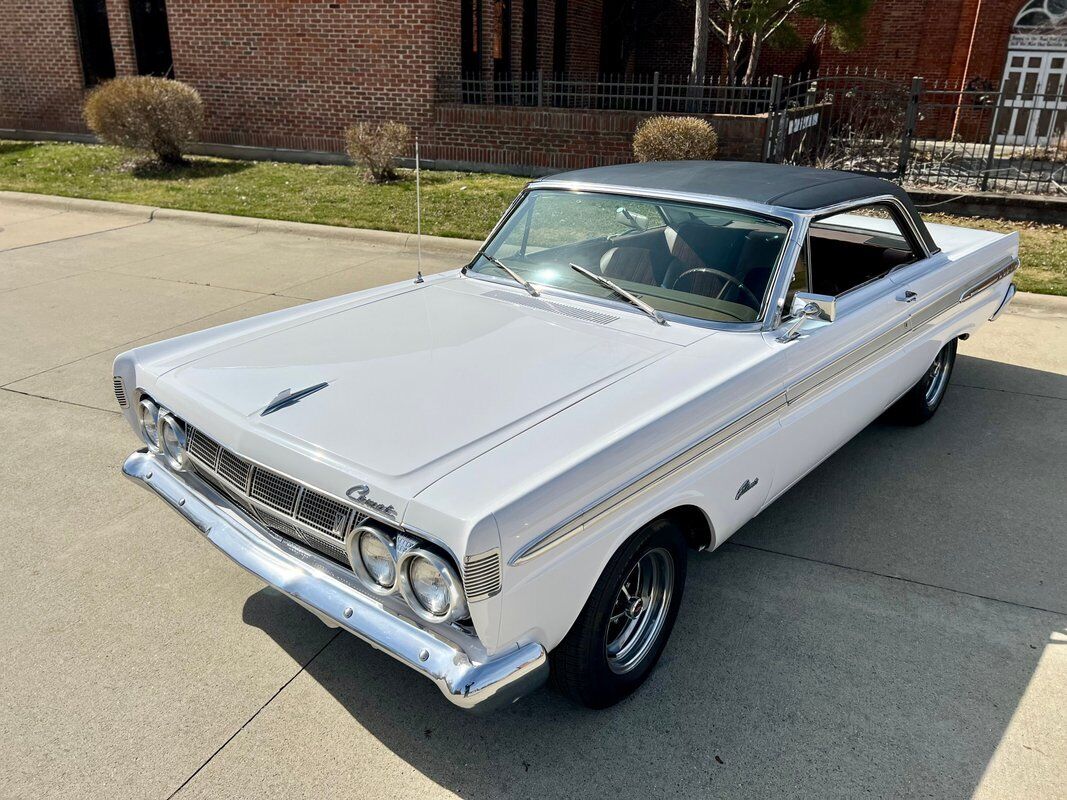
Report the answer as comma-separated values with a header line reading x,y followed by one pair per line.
x,y
294,73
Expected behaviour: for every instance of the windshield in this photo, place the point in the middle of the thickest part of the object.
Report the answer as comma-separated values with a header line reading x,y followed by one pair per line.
x,y
708,263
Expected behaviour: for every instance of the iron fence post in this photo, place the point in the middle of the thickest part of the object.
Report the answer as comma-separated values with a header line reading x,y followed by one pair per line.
x,y
655,91
983,184
911,117
540,88
770,130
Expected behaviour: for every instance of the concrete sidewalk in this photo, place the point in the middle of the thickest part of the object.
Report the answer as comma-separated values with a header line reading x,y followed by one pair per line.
x,y
895,626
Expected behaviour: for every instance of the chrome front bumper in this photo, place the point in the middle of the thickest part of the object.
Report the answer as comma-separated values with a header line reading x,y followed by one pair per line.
x,y
328,590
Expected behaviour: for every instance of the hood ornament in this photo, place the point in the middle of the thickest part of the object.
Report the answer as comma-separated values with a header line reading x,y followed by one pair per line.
x,y
288,397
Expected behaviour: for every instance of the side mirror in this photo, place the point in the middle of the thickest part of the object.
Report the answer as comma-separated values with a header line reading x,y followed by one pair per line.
x,y
809,306
825,306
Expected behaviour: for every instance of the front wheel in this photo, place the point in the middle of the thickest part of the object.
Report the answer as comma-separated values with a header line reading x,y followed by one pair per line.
x,y
621,632
923,399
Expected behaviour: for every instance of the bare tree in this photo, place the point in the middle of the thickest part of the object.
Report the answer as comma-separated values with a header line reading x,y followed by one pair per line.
x,y
700,45
743,27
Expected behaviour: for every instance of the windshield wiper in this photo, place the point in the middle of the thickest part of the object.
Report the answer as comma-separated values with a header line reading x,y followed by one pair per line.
x,y
632,299
525,284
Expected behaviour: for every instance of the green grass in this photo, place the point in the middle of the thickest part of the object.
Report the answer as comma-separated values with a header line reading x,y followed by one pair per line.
x,y
464,205
1042,250
453,203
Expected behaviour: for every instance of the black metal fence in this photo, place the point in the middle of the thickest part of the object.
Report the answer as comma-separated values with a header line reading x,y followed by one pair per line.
x,y
653,93
986,138
1011,138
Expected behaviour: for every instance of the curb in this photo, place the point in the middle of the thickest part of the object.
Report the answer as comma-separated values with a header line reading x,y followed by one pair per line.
x,y
1045,304
406,242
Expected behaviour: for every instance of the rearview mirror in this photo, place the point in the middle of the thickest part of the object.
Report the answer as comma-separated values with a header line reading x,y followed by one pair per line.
x,y
809,306
635,222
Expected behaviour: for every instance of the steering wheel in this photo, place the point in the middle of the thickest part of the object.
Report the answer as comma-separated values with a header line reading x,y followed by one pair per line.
x,y
726,277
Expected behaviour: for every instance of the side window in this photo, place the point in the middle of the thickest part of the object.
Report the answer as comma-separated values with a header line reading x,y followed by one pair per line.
x,y
856,247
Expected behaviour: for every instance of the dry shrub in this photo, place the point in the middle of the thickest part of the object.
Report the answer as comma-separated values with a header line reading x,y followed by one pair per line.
x,y
675,139
376,147
153,114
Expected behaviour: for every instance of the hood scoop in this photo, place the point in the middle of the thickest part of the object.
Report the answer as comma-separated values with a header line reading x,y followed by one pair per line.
x,y
574,312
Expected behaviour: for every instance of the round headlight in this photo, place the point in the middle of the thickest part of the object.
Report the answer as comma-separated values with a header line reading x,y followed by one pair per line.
x,y
378,560
372,555
149,416
431,586
171,439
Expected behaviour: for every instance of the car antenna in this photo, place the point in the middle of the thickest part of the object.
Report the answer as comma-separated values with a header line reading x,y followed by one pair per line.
x,y
418,212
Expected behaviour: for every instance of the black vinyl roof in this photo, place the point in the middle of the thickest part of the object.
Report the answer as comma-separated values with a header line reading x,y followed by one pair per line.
x,y
797,188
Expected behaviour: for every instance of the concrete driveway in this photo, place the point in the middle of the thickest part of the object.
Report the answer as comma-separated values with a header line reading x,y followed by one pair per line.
x,y
896,626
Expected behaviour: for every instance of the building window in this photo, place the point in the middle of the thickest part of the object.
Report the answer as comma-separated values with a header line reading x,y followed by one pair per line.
x,y
94,41
471,36
1042,14
151,38
559,38
502,38
529,37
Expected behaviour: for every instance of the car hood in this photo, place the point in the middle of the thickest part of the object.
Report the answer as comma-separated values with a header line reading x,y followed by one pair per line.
x,y
418,382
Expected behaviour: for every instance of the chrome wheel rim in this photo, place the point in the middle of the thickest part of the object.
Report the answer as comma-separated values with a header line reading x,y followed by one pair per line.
x,y
936,378
639,611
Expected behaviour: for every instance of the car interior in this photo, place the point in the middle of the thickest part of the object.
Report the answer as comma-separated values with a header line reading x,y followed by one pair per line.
x,y
717,264
843,258
728,264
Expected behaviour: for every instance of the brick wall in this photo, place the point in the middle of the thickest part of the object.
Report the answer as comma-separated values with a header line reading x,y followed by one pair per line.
x,y
564,139
295,73
41,84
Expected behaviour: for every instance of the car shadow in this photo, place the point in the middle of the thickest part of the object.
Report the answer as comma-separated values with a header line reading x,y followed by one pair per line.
x,y
792,670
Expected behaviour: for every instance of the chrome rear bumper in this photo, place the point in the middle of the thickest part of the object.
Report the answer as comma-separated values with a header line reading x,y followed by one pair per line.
x,y
1008,296
328,590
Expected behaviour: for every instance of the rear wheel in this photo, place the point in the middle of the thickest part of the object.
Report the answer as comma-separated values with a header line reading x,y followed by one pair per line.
x,y
924,398
620,634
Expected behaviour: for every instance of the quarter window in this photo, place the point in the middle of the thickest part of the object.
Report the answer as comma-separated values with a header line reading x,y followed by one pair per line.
x,y
850,249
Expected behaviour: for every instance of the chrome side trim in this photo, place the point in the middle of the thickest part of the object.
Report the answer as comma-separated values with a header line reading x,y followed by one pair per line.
x,y
820,379
854,359
1005,270
576,524
327,590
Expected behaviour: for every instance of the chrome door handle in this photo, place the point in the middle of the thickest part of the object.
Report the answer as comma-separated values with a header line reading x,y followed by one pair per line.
x,y
910,296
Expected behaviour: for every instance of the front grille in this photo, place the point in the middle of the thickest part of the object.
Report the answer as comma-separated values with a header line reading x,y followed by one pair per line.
x,y
203,448
323,514
279,525
234,469
275,491
120,392
302,514
481,575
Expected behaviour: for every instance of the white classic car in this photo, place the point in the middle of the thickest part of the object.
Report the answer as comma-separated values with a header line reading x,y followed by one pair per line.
x,y
496,474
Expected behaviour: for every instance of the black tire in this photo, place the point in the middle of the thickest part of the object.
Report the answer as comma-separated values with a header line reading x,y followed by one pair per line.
x,y
924,398
581,666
